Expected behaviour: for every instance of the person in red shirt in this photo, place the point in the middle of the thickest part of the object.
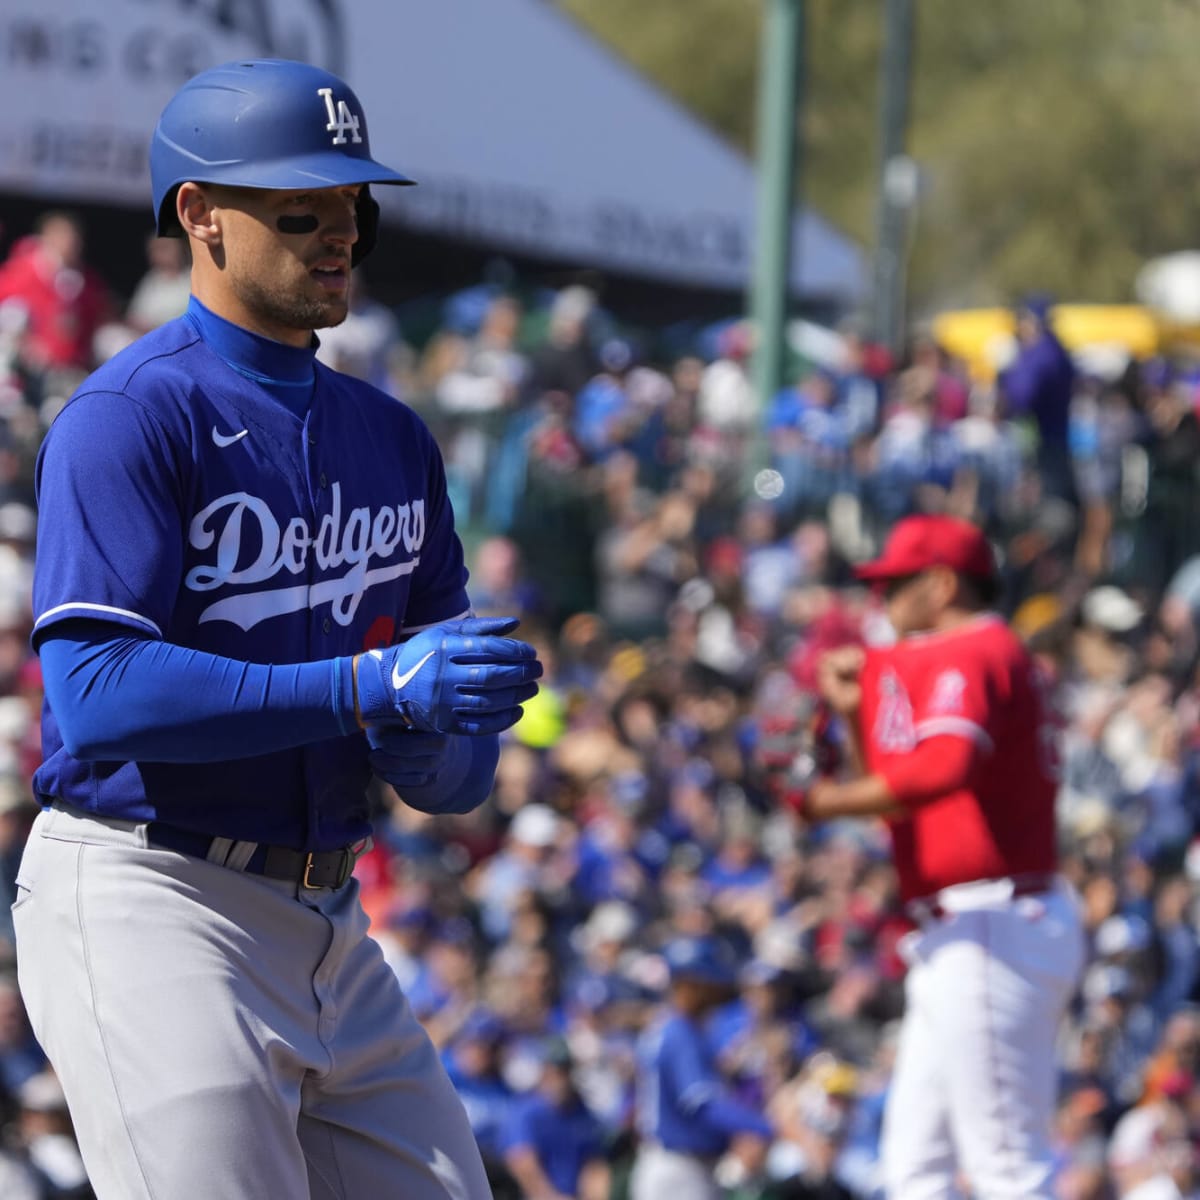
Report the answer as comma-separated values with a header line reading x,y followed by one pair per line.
x,y
952,743
64,300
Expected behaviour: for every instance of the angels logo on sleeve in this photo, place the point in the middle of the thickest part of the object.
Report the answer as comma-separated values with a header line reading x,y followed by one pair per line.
x,y
948,711
948,690
894,732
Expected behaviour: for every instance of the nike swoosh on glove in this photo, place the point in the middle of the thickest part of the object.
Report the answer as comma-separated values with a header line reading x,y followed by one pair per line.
x,y
461,677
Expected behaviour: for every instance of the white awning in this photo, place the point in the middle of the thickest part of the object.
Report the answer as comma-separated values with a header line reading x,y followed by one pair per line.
x,y
523,132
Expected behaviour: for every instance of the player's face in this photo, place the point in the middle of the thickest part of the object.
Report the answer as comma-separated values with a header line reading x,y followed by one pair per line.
x,y
287,258
911,603
697,996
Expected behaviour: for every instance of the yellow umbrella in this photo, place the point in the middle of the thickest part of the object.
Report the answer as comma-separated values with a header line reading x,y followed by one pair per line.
x,y
984,338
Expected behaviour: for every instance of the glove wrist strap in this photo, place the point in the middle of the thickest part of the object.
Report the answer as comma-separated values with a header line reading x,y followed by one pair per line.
x,y
354,689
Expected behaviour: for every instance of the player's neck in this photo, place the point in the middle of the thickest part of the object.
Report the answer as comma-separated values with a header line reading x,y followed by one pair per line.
x,y
954,616
229,307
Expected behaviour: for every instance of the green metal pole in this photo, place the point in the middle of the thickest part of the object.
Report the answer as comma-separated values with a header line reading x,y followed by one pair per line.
x,y
777,155
897,176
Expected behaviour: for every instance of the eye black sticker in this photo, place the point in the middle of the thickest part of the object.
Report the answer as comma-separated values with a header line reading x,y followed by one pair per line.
x,y
305,224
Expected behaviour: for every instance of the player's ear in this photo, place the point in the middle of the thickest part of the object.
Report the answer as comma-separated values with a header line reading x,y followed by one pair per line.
x,y
198,213
945,584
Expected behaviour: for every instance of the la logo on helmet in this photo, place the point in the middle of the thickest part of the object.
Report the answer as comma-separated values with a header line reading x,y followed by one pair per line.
x,y
341,119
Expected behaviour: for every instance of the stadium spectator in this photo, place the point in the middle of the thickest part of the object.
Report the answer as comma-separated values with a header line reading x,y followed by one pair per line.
x,y
472,1062
20,1055
1169,534
1039,385
49,1140
553,1145
522,867
64,301
367,344
565,360
18,1178
162,292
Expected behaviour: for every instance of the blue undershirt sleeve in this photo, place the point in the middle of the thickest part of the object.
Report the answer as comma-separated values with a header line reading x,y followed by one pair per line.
x,y
724,1113
124,698
464,781
702,1095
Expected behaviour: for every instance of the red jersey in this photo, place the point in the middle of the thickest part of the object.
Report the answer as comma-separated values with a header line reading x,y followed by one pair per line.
x,y
976,681
65,307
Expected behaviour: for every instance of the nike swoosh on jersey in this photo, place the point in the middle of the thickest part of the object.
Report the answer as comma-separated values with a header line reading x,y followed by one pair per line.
x,y
402,681
227,439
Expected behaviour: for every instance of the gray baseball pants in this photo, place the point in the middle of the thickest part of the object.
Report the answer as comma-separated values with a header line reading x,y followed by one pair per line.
x,y
662,1174
224,1035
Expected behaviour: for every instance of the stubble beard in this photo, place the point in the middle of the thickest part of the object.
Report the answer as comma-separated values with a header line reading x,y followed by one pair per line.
x,y
292,308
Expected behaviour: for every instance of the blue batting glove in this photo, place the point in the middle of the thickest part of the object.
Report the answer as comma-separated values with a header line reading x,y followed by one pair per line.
x,y
406,758
434,772
460,677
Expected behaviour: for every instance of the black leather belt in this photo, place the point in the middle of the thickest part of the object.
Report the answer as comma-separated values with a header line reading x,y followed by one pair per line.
x,y
311,869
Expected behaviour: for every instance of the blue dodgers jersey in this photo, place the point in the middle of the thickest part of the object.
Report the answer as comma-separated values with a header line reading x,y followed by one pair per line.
x,y
178,498
677,1075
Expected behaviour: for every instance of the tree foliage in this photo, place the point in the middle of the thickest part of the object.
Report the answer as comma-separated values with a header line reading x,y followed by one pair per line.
x,y
1057,139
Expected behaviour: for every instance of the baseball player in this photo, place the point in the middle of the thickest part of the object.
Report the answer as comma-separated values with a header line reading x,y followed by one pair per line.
x,y
249,595
955,748
686,1115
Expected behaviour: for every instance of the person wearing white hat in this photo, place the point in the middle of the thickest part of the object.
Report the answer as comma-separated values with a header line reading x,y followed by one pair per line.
x,y
47,1134
536,825
518,868
1109,608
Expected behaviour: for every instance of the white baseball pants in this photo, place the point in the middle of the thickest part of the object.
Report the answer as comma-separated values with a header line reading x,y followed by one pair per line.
x,y
224,1035
973,1090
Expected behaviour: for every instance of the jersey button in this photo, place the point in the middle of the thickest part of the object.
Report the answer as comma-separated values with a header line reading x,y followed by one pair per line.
x,y
324,480
326,625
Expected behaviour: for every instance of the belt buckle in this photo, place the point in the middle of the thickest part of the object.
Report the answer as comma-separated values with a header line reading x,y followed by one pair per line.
x,y
345,870
308,866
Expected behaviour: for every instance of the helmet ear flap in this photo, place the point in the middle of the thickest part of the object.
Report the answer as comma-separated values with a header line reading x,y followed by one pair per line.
x,y
168,220
366,214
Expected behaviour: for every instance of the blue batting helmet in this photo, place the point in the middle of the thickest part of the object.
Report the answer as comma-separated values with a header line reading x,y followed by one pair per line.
x,y
264,123
704,959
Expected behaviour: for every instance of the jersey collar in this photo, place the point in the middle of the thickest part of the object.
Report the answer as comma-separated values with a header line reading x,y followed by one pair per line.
x,y
986,617
259,357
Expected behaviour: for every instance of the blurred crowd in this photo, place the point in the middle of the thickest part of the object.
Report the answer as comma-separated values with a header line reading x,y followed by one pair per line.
x,y
681,555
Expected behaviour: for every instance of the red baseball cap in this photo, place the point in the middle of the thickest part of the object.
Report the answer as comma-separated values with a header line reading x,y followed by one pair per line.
x,y
917,543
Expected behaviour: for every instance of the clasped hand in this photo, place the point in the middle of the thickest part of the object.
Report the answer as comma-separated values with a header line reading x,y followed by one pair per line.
x,y
406,758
